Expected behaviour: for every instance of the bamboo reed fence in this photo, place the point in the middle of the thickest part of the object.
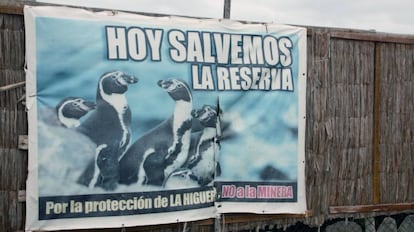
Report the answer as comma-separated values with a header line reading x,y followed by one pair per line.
x,y
359,134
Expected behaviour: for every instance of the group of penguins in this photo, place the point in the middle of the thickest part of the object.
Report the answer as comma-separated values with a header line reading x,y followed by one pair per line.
x,y
173,153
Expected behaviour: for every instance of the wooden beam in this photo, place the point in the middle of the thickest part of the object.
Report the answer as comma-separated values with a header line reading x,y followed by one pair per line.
x,y
376,126
8,9
240,218
205,222
374,37
348,34
226,10
371,208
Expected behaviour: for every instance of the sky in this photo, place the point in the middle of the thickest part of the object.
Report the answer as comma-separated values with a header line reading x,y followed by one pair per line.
x,y
380,15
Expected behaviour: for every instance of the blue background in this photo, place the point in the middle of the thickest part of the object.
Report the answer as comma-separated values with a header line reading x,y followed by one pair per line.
x,y
71,56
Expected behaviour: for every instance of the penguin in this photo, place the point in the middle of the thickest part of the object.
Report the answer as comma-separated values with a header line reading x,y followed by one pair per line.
x,y
70,109
204,149
109,122
181,178
163,149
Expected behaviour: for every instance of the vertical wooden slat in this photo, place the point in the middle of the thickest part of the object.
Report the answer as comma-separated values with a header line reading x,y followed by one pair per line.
x,y
13,121
376,142
227,10
317,109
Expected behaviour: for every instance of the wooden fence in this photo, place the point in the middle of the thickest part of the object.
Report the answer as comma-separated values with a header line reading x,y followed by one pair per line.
x,y
359,133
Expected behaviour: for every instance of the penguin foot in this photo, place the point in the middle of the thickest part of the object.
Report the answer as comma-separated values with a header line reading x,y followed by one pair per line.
x,y
108,184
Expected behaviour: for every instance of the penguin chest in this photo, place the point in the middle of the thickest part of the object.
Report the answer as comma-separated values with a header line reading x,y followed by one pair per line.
x,y
207,162
121,115
181,152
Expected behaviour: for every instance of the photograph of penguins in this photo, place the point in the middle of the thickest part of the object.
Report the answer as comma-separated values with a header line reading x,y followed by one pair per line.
x,y
163,154
105,122
180,152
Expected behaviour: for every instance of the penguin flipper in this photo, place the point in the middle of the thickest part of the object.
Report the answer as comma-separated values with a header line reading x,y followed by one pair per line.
x,y
129,166
87,175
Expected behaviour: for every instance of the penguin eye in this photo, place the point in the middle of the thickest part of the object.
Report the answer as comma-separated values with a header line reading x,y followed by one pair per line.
x,y
77,102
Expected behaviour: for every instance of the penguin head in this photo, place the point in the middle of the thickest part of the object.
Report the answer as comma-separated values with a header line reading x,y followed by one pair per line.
x,y
181,178
207,115
116,82
71,109
177,89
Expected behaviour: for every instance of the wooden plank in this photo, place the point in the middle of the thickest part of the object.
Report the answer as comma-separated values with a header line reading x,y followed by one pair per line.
x,y
376,139
11,9
226,10
374,37
238,218
335,32
371,208
12,212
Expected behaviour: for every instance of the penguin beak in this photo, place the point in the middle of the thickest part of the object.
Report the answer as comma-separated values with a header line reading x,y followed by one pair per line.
x,y
164,84
194,113
168,85
205,116
126,79
88,106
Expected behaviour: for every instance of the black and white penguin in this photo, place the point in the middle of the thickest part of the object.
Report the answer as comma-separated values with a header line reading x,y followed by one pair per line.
x,y
163,149
109,122
70,109
204,149
181,178
112,117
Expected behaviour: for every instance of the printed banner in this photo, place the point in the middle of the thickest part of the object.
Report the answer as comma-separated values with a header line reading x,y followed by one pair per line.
x,y
138,120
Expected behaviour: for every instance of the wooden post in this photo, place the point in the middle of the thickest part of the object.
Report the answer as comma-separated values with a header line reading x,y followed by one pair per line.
x,y
226,11
376,142
226,15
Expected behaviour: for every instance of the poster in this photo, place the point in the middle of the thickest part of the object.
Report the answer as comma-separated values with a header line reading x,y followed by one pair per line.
x,y
138,120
